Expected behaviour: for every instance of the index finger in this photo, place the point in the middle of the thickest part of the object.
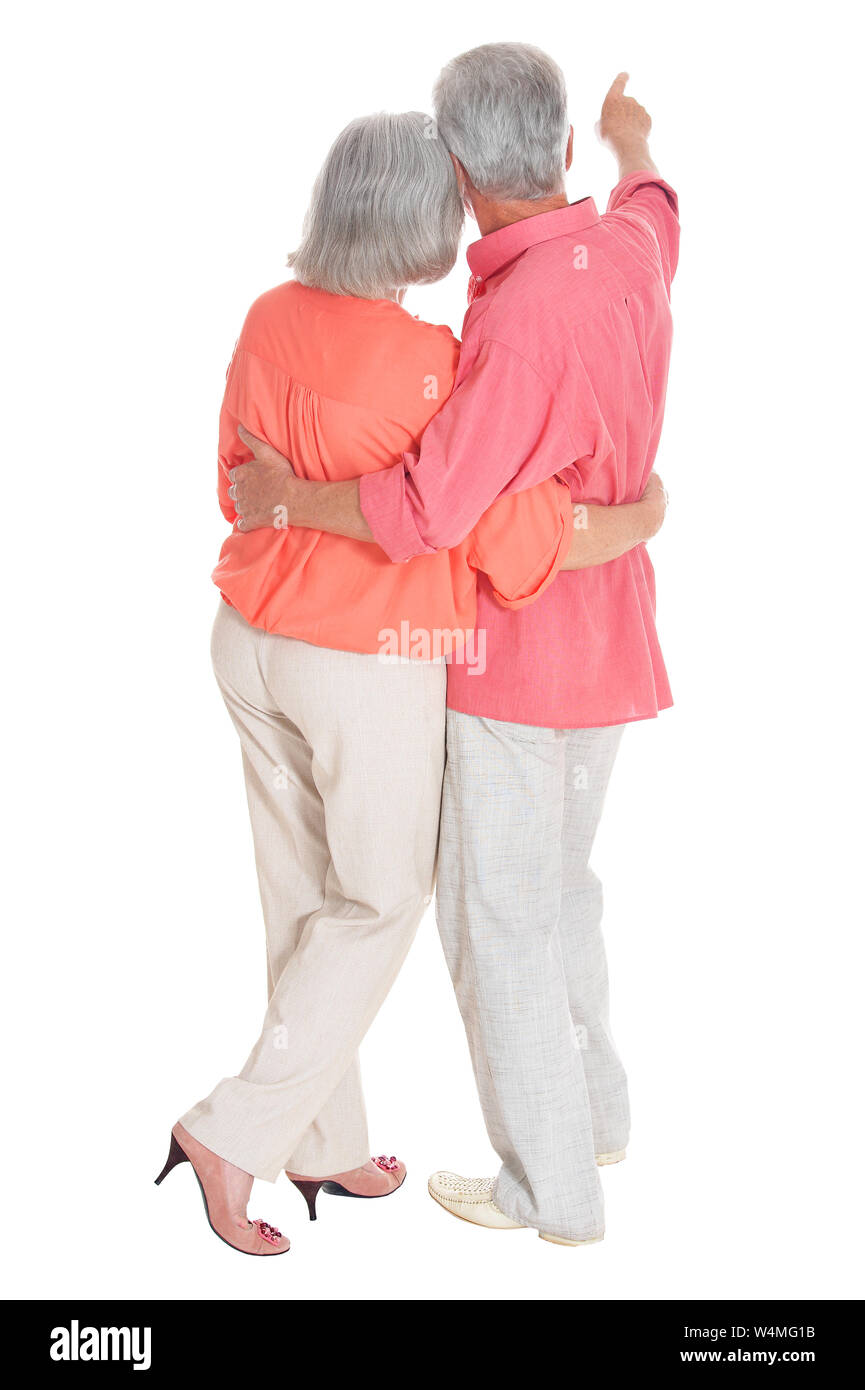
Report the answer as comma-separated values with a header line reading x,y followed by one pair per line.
x,y
617,86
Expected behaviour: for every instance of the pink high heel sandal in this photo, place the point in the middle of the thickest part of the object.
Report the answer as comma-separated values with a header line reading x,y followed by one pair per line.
x,y
257,1237
347,1184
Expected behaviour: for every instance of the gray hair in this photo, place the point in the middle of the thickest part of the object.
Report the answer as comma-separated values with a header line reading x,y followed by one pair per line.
x,y
385,210
503,111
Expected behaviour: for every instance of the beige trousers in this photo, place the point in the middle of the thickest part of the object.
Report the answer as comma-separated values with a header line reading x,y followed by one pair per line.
x,y
343,755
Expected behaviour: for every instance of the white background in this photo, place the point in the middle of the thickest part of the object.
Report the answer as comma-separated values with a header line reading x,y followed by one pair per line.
x,y
158,161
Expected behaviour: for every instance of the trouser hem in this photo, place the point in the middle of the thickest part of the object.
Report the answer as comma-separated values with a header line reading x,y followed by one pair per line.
x,y
549,1228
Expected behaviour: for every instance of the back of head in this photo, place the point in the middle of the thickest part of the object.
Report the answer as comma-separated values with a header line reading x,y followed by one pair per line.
x,y
502,110
385,210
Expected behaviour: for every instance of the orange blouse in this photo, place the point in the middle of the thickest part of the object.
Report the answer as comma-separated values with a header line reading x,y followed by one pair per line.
x,y
345,386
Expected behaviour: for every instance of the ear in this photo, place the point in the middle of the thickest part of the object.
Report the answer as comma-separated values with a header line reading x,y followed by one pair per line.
x,y
463,180
569,152
467,190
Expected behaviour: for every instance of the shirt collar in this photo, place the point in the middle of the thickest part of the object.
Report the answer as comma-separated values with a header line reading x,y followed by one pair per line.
x,y
493,251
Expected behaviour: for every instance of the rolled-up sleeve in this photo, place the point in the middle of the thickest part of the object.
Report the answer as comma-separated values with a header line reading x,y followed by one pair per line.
x,y
521,541
653,200
500,431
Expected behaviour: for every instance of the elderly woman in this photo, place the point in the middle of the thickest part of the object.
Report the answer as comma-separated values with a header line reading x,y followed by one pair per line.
x,y
329,661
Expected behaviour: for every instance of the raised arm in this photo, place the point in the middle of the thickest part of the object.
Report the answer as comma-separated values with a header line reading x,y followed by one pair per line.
x,y
641,192
624,128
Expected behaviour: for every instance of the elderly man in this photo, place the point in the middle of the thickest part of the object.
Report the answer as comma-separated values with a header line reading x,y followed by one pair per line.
x,y
563,371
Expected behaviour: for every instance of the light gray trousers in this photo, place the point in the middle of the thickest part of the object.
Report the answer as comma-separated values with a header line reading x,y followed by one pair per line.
x,y
342,755
519,913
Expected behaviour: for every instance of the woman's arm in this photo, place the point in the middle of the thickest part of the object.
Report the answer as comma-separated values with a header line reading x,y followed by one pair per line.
x,y
605,533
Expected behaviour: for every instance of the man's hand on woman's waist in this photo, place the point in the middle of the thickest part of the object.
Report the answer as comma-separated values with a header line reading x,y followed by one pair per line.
x,y
267,492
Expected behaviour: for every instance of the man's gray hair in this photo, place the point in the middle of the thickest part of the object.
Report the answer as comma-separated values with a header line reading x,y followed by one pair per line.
x,y
502,109
385,210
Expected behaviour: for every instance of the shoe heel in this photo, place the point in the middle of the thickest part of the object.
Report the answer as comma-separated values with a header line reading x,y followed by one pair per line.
x,y
175,1156
309,1191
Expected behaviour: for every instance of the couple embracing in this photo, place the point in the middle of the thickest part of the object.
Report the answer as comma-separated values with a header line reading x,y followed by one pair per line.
x,y
385,481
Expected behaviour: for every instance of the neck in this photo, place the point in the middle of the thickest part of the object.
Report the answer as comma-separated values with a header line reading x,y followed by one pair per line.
x,y
492,216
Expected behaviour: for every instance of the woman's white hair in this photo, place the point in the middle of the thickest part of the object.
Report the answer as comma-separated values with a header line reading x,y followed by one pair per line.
x,y
385,210
503,111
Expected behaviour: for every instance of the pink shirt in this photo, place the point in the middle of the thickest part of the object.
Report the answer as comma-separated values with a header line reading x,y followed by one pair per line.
x,y
563,371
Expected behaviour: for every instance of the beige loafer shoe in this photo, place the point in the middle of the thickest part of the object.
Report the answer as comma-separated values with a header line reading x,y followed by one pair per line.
x,y
471,1199
615,1156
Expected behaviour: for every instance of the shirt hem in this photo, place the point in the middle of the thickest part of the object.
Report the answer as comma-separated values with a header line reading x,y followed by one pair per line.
x,y
504,716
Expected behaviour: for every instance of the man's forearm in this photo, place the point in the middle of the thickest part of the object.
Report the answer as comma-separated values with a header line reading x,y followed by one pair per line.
x,y
605,533
267,493
633,157
602,533
333,507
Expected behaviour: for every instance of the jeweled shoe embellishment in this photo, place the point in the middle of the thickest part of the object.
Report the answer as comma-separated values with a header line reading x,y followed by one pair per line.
x,y
388,1165
268,1232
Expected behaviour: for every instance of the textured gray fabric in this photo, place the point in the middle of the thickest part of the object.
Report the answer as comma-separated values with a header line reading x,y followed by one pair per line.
x,y
519,913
